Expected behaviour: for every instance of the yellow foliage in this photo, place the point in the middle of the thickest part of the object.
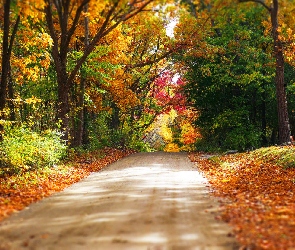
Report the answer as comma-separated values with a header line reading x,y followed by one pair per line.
x,y
287,36
33,100
119,87
164,121
166,133
171,147
188,133
35,58
30,9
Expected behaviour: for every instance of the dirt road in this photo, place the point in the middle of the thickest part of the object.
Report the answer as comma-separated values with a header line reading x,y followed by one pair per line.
x,y
150,201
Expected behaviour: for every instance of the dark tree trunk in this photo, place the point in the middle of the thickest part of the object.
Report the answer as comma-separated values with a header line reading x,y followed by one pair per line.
x,y
115,119
63,101
283,118
59,54
79,128
78,137
5,57
6,53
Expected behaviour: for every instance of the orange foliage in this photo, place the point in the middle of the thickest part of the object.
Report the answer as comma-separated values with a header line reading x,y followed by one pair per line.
x,y
34,59
17,192
259,199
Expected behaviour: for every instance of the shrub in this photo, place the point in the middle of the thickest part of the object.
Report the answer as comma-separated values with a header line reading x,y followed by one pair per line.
x,y
23,149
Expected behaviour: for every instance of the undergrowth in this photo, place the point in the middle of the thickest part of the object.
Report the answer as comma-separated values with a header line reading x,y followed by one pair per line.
x,y
22,150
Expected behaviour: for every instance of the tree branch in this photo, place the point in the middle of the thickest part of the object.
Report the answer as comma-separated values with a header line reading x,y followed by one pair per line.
x,y
150,61
76,20
105,30
262,2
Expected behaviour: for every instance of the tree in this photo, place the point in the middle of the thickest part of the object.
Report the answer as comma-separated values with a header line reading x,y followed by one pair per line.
x,y
282,108
140,49
7,44
231,86
62,23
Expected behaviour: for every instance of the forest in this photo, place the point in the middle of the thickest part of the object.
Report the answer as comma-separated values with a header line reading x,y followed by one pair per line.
x,y
147,75
86,80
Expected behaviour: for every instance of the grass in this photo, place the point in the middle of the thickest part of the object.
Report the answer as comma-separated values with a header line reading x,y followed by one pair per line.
x,y
279,155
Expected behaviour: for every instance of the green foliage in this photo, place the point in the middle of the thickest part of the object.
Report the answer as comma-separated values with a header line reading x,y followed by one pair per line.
x,y
34,102
101,134
23,149
138,144
94,67
233,88
243,137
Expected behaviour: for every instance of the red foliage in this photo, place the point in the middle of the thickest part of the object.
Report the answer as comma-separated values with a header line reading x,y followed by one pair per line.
x,y
168,92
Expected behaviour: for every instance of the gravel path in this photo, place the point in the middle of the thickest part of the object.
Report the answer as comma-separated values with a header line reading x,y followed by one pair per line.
x,y
150,201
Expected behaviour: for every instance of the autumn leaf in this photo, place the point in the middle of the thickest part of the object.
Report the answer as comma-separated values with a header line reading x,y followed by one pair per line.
x,y
18,191
259,195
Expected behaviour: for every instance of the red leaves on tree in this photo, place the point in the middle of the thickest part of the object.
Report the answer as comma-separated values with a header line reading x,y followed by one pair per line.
x,y
168,92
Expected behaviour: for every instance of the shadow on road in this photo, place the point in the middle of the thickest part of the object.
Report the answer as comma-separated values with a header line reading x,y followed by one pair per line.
x,y
144,201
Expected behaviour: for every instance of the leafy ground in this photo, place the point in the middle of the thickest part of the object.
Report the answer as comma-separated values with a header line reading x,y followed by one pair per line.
x,y
258,194
18,191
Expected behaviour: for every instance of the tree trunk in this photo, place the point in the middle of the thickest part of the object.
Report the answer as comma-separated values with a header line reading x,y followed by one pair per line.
x,y
63,102
5,63
6,53
59,54
5,56
63,89
283,118
78,139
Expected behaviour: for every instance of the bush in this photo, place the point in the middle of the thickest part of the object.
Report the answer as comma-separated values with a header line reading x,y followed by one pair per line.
x,y
101,135
23,149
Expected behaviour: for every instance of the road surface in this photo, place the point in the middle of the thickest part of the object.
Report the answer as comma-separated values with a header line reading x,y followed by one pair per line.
x,y
149,201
